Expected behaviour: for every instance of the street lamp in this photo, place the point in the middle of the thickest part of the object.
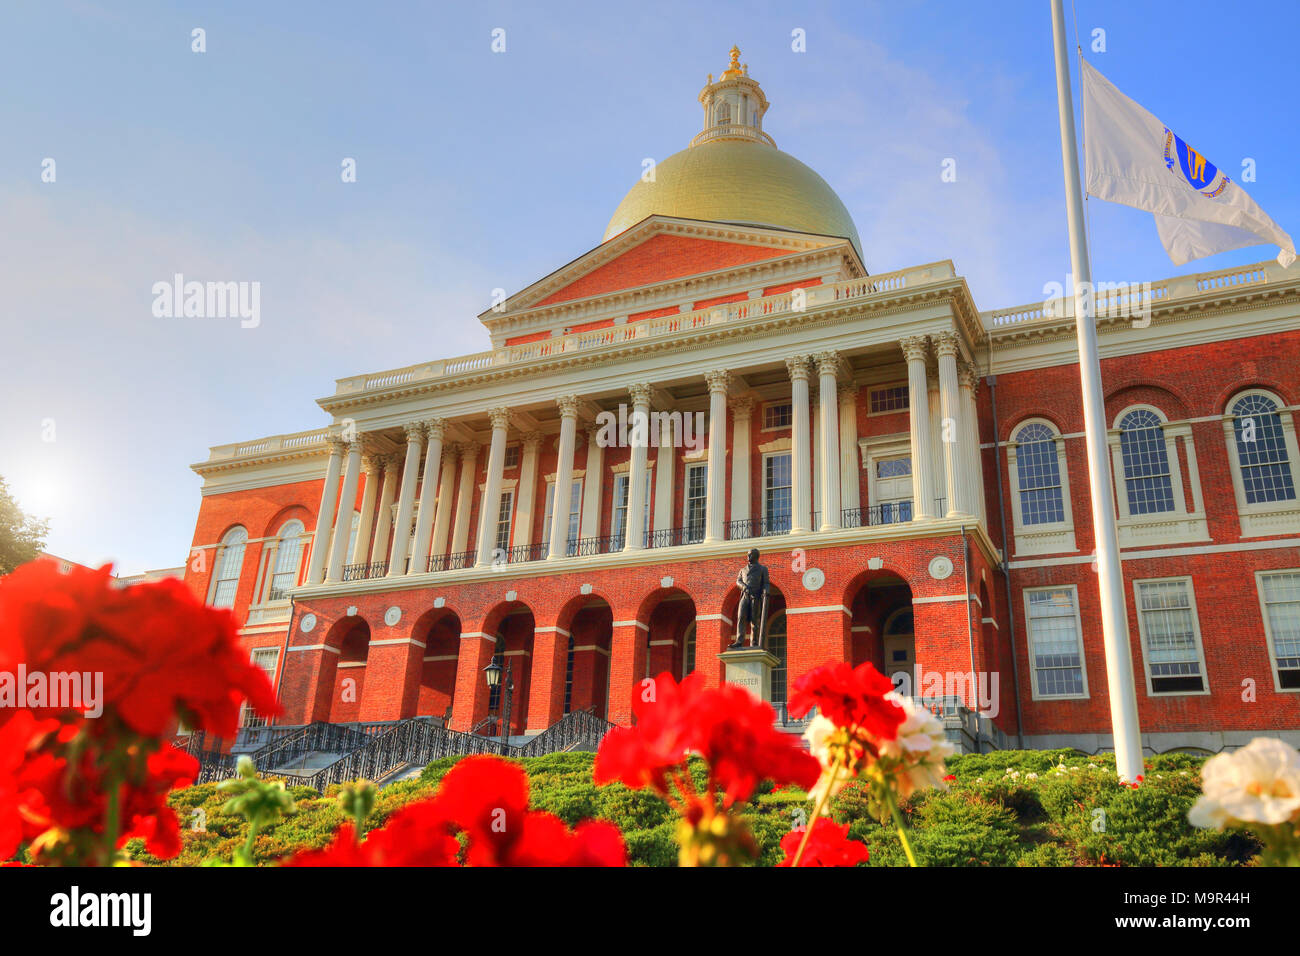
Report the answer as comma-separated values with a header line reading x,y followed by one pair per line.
x,y
493,674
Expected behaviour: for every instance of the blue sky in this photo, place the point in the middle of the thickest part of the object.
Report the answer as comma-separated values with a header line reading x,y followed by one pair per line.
x,y
478,170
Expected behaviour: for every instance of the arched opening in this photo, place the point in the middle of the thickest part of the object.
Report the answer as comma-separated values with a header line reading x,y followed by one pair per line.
x,y
591,633
439,632
350,671
773,638
668,613
512,626
881,626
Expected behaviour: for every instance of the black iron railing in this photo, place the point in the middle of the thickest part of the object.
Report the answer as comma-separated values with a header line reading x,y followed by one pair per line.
x,y
452,562
362,572
526,552
588,546
667,538
763,527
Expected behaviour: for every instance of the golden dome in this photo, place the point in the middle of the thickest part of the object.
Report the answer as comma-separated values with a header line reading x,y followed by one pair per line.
x,y
737,181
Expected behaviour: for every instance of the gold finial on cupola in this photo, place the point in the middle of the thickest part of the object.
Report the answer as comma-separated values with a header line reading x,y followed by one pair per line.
x,y
734,69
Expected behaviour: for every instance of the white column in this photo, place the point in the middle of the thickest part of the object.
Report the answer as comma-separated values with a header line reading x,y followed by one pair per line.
x,y
347,505
828,368
815,439
968,376
665,464
639,438
325,514
918,404
446,501
428,496
742,411
489,509
951,435
401,546
526,498
800,452
465,497
361,548
850,482
384,511
563,476
938,478
715,504
589,521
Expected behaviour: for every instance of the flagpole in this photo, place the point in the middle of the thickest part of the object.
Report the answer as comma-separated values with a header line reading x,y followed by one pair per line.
x,y
1110,576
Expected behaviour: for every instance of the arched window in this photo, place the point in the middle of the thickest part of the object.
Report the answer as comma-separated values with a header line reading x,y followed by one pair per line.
x,y
230,561
568,679
1039,472
688,651
1145,458
724,113
288,559
774,643
1262,455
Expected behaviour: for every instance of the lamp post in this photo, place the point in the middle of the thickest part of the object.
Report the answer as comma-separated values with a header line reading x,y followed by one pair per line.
x,y
493,674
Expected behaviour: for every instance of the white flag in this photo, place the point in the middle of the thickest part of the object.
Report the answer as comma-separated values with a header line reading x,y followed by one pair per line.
x,y
1134,159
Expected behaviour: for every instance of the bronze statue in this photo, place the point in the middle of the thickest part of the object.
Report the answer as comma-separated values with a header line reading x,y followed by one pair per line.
x,y
752,581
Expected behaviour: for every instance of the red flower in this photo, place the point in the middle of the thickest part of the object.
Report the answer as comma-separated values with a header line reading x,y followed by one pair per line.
x,y
828,845
725,725
487,798
850,697
162,653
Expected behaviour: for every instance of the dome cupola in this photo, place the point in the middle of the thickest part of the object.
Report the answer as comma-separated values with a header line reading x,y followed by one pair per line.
x,y
732,172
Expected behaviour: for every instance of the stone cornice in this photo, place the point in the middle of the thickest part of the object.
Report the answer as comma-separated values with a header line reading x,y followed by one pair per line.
x,y
880,305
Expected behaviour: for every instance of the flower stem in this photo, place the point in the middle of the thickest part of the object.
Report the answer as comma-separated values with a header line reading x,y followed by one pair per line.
x,y
112,820
817,810
899,825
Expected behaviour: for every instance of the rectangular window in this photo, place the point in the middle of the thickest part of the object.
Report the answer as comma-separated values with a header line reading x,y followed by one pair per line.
x,y
893,481
618,518
1170,636
512,456
504,511
778,492
265,658
1280,596
778,415
1055,649
697,494
575,509
891,398
568,679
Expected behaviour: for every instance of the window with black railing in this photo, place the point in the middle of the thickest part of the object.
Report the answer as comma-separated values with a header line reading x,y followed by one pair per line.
x,y
697,492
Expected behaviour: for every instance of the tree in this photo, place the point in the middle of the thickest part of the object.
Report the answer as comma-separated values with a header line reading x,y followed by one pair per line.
x,y
21,536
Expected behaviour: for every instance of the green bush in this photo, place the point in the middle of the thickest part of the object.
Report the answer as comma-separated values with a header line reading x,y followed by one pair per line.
x,y
1012,808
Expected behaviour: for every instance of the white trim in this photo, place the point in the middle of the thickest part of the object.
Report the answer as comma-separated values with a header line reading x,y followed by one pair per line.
x,y
314,647
860,629
644,627
398,640
662,644
1141,554
1078,637
469,634
947,597
549,628
1196,633
817,610
713,617
343,664
590,647
441,657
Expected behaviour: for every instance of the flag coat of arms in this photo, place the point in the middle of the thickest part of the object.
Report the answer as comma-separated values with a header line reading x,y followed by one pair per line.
x,y
1134,159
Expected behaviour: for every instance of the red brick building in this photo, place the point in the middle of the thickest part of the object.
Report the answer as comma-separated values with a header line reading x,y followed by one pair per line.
x,y
910,467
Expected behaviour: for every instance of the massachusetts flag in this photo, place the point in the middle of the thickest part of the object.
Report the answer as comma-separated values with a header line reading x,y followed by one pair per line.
x,y
1134,159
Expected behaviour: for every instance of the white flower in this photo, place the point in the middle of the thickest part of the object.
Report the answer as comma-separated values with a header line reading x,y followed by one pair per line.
x,y
818,734
921,745
1260,783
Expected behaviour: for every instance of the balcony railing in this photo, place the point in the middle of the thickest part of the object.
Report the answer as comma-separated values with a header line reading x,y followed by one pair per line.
x,y
740,529
362,572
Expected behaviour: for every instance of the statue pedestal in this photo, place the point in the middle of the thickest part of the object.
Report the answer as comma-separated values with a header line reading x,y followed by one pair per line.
x,y
750,668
